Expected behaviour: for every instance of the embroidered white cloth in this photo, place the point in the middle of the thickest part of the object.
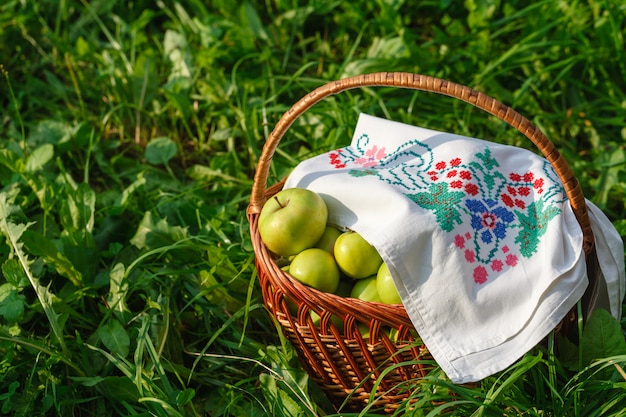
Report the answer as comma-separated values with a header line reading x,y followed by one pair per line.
x,y
479,237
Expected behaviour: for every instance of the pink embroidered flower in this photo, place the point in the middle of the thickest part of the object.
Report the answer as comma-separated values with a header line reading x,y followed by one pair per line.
x,y
497,265
480,275
459,241
505,248
470,256
455,162
372,157
511,260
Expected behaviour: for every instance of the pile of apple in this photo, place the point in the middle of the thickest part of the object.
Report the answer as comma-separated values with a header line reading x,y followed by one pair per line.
x,y
293,226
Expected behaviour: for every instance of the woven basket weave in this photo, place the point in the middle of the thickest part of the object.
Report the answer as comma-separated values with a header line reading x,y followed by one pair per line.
x,y
354,370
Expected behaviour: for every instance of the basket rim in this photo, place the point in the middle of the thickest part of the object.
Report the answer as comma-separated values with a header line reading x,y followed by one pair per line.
x,y
571,185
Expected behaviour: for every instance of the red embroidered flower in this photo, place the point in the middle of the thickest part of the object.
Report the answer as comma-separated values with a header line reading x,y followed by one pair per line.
x,y
470,256
452,173
334,159
459,241
511,190
511,260
523,191
456,184
471,189
519,203
515,177
507,200
480,275
440,165
497,265
538,183
466,175
528,177
455,162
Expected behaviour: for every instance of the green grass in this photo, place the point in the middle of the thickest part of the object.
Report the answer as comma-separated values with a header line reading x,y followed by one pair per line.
x,y
129,136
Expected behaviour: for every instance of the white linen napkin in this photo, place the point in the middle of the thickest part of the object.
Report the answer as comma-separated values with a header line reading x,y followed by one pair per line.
x,y
479,237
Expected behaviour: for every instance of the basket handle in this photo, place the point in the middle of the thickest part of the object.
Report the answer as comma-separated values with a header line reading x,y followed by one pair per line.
x,y
426,83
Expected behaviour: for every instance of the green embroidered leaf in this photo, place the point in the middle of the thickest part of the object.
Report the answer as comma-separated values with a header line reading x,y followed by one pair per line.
x,y
489,162
442,202
533,226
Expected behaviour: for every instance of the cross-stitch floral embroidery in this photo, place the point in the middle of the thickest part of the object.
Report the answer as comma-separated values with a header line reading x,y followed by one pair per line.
x,y
479,205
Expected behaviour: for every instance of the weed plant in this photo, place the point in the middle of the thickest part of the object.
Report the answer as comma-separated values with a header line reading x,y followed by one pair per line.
x,y
129,135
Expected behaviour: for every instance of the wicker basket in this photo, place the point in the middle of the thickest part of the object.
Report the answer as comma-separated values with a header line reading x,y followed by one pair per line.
x,y
355,370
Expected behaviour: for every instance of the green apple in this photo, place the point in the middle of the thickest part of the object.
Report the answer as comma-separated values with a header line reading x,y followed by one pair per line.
x,y
334,319
355,256
386,287
345,287
327,241
292,220
365,289
316,268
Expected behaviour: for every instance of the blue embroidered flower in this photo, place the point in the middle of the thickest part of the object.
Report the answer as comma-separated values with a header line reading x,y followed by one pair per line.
x,y
489,219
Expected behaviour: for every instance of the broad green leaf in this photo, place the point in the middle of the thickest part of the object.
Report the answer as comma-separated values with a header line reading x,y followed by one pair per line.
x,y
568,353
12,160
118,287
14,274
175,47
46,298
11,304
160,150
50,131
119,388
52,254
40,157
122,200
114,337
153,233
78,209
602,337
279,401
217,293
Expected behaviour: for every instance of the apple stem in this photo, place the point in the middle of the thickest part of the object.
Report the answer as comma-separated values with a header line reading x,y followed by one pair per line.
x,y
278,201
